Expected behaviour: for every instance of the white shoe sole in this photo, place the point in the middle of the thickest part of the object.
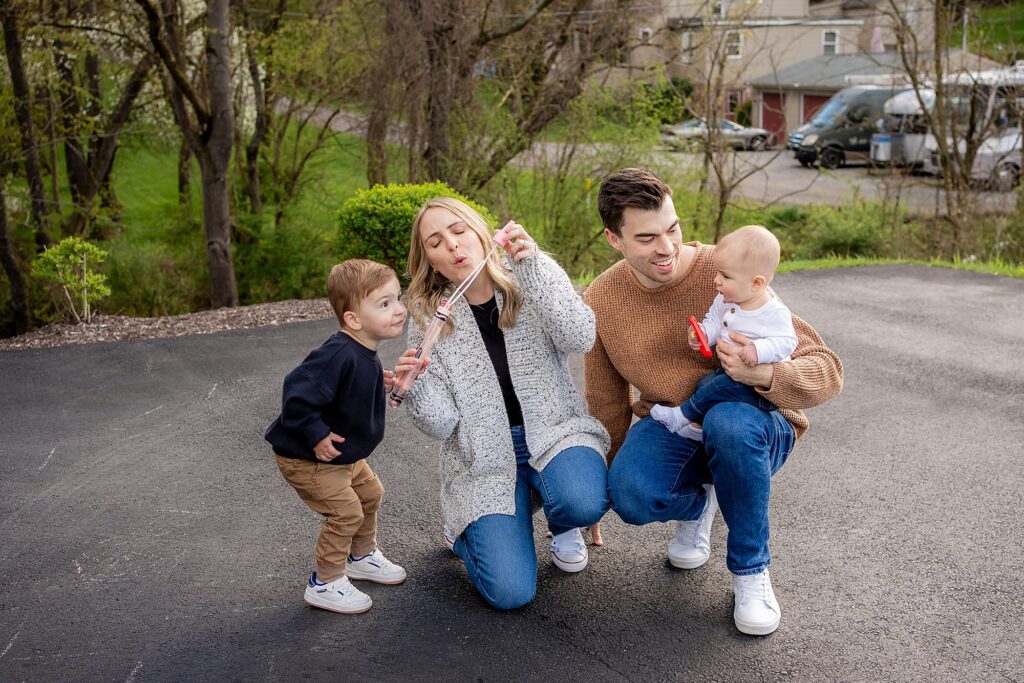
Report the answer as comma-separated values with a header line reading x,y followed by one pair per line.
x,y
680,563
571,567
331,607
756,629
355,575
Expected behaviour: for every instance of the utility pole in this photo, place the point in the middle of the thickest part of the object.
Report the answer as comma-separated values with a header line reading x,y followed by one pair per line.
x,y
963,39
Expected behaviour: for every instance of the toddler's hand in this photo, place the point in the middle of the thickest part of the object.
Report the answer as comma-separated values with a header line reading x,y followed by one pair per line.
x,y
389,381
325,450
692,338
749,355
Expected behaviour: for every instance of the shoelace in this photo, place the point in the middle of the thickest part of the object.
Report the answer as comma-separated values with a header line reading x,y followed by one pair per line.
x,y
758,587
688,533
568,543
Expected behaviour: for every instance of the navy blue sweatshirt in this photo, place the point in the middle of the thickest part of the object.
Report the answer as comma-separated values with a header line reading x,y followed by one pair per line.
x,y
338,388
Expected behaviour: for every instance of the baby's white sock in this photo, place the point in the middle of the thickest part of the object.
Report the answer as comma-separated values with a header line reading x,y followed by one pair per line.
x,y
675,422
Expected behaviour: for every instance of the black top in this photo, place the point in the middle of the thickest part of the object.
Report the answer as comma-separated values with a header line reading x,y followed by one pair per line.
x,y
494,339
338,388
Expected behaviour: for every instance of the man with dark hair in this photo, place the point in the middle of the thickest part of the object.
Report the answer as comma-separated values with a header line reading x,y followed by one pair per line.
x,y
641,304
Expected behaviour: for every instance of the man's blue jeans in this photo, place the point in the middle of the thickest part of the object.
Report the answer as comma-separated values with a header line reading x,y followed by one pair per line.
x,y
718,387
658,476
498,550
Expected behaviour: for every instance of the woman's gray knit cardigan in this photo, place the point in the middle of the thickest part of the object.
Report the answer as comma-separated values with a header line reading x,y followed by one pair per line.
x,y
458,399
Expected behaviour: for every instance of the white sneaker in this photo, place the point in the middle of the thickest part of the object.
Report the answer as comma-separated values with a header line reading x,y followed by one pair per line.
x,y
337,596
449,537
375,567
569,552
691,546
757,612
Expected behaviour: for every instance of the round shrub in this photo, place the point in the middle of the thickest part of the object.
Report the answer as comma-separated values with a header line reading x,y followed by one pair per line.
x,y
375,223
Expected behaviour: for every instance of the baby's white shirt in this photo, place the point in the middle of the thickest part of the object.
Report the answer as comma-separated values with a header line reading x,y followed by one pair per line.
x,y
769,327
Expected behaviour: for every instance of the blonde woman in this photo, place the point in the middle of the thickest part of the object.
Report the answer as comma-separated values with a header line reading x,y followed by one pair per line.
x,y
499,394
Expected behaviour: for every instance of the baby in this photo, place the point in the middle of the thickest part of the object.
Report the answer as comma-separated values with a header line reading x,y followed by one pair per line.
x,y
746,260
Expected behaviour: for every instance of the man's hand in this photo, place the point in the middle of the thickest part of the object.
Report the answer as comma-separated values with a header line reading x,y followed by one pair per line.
x,y
325,450
730,355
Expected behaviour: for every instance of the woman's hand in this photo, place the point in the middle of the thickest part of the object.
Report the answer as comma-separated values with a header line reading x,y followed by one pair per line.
x,y
523,247
730,355
407,362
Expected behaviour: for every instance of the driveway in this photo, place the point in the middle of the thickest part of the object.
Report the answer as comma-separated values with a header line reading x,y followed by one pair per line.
x,y
146,534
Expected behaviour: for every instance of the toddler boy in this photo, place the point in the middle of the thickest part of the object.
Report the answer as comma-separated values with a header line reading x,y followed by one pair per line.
x,y
332,417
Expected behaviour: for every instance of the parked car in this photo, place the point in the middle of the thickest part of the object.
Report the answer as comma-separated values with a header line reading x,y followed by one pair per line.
x,y
689,134
841,130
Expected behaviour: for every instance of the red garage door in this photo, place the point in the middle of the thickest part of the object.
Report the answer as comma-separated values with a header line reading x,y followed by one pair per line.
x,y
812,103
773,115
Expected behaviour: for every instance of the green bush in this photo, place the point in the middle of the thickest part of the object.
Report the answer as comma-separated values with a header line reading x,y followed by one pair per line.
x,y
666,100
375,223
71,265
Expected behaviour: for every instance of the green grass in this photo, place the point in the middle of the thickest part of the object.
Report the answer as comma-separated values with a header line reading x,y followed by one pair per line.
x,y
993,267
996,32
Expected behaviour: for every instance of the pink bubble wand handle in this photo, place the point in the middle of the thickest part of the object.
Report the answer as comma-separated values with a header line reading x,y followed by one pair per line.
x,y
404,383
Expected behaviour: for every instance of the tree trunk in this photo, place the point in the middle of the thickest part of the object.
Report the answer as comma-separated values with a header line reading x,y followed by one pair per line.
x,y
12,267
75,161
184,176
376,154
215,158
440,93
252,150
22,100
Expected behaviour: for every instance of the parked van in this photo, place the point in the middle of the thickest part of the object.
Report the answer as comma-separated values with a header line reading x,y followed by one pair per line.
x,y
841,130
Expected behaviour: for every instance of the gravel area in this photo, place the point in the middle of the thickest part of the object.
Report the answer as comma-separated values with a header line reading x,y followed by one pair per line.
x,y
106,328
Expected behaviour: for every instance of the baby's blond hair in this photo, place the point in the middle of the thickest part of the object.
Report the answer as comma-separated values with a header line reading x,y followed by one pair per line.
x,y
757,246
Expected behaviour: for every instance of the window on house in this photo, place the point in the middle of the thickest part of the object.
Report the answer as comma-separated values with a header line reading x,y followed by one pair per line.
x,y
829,42
645,35
716,9
733,44
686,47
732,103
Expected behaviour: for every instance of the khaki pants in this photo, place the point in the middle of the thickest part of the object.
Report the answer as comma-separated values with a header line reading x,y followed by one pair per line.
x,y
348,496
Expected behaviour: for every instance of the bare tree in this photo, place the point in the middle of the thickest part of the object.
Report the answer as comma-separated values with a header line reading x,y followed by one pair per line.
x,y
534,60
88,128
202,105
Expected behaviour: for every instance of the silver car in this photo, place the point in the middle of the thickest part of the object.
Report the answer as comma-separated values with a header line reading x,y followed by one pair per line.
x,y
692,133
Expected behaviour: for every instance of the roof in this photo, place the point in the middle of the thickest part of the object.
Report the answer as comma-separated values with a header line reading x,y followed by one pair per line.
x,y
829,72
835,72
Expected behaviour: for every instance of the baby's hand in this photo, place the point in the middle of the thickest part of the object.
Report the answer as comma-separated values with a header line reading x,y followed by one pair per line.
x,y
749,355
692,338
325,450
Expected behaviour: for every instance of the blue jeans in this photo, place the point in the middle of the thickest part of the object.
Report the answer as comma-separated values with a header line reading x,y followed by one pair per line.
x,y
658,476
498,550
718,387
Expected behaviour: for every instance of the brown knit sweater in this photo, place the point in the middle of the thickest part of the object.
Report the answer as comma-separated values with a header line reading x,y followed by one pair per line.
x,y
642,342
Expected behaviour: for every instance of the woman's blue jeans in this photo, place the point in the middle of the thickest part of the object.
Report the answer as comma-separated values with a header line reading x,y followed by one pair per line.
x,y
498,550
658,476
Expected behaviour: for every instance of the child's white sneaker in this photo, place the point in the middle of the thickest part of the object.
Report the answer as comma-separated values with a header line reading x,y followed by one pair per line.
x,y
569,552
757,612
374,567
337,596
691,546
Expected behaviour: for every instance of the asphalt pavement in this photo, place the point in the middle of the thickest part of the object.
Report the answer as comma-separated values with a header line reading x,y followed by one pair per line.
x,y
145,533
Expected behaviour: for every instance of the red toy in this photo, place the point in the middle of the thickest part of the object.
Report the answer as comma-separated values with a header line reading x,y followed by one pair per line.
x,y
697,332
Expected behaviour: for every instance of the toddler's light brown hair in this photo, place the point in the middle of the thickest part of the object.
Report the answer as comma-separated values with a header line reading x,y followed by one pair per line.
x,y
352,281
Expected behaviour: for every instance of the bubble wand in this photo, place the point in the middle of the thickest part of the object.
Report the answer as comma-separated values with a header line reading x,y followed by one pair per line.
x,y
404,382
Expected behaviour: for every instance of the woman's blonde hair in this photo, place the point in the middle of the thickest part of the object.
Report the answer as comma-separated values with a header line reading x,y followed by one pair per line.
x,y
428,288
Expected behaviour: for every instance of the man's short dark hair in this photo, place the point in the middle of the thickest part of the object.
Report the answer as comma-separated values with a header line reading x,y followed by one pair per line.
x,y
635,188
